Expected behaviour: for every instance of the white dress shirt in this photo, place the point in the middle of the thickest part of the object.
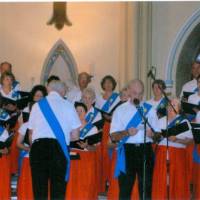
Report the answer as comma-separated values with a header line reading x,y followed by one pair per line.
x,y
22,131
100,101
74,95
64,112
190,86
198,117
194,99
4,136
93,131
154,103
23,128
122,116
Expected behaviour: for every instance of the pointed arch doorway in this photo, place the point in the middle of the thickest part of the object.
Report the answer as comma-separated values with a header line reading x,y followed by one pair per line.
x,y
184,51
60,62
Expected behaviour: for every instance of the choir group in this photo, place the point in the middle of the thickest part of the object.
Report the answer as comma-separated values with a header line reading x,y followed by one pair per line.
x,y
126,147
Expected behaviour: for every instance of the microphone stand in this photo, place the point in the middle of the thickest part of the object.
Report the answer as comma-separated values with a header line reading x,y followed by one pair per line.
x,y
167,152
145,121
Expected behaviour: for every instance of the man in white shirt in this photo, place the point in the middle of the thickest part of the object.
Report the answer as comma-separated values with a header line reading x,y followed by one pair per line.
x,y
83,80
134,141
47,157
191,86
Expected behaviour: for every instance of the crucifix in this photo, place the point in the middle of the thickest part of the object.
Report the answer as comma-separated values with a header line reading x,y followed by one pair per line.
x,y
59,17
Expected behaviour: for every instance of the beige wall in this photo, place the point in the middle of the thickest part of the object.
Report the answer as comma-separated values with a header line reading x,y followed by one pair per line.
x,y
168,19
105,38
93,39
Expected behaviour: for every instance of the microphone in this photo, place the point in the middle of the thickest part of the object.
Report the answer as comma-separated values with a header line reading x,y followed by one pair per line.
x,y
136,102
150,72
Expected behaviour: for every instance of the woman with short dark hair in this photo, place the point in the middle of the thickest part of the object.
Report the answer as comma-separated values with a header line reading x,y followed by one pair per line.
x,y
37,92
158,101
105,103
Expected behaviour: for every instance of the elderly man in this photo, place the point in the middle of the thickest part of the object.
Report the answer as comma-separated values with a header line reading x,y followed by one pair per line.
x,y
53,120
127,129
83,80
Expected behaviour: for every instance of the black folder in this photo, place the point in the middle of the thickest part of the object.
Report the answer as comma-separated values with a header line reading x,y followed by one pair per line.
x,y
20,103
26,137
196,132
187,94
74,145
175,130
8,141
24,94
92,139
161,112
188,108
25,116
74,156
11,122
99,124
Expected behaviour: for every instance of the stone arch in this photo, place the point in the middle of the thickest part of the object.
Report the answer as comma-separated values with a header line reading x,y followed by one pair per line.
x,y
183,52
60,61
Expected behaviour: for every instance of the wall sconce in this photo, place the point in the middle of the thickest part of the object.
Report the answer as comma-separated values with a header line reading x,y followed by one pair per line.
x,y
59,17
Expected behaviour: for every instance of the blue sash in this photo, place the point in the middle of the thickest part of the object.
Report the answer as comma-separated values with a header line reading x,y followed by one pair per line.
x,y
91,115
57,130
109,102
162,103
85,130
15,95
196,89
134,122
191,117
22,154
1,130
14,84
3,115
196,157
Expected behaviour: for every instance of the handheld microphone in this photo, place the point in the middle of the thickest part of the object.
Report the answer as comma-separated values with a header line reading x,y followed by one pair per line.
x,y
136,102
152,72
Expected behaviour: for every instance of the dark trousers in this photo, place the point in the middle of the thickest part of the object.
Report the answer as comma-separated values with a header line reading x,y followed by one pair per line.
x,y
48,166
134,166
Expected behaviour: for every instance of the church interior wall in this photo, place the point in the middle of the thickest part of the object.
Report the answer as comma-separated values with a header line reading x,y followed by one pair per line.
x,y
92,39
96,39
168,19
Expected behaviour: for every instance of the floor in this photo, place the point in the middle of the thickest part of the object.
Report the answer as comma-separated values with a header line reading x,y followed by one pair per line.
x,y
14,190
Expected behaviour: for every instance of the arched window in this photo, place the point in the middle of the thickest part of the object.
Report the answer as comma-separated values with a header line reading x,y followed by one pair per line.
x,y
184,51
60,62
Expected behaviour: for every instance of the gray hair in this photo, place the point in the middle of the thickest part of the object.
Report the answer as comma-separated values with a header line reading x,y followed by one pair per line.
x,y
176,99
136,82
89,91
58,86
